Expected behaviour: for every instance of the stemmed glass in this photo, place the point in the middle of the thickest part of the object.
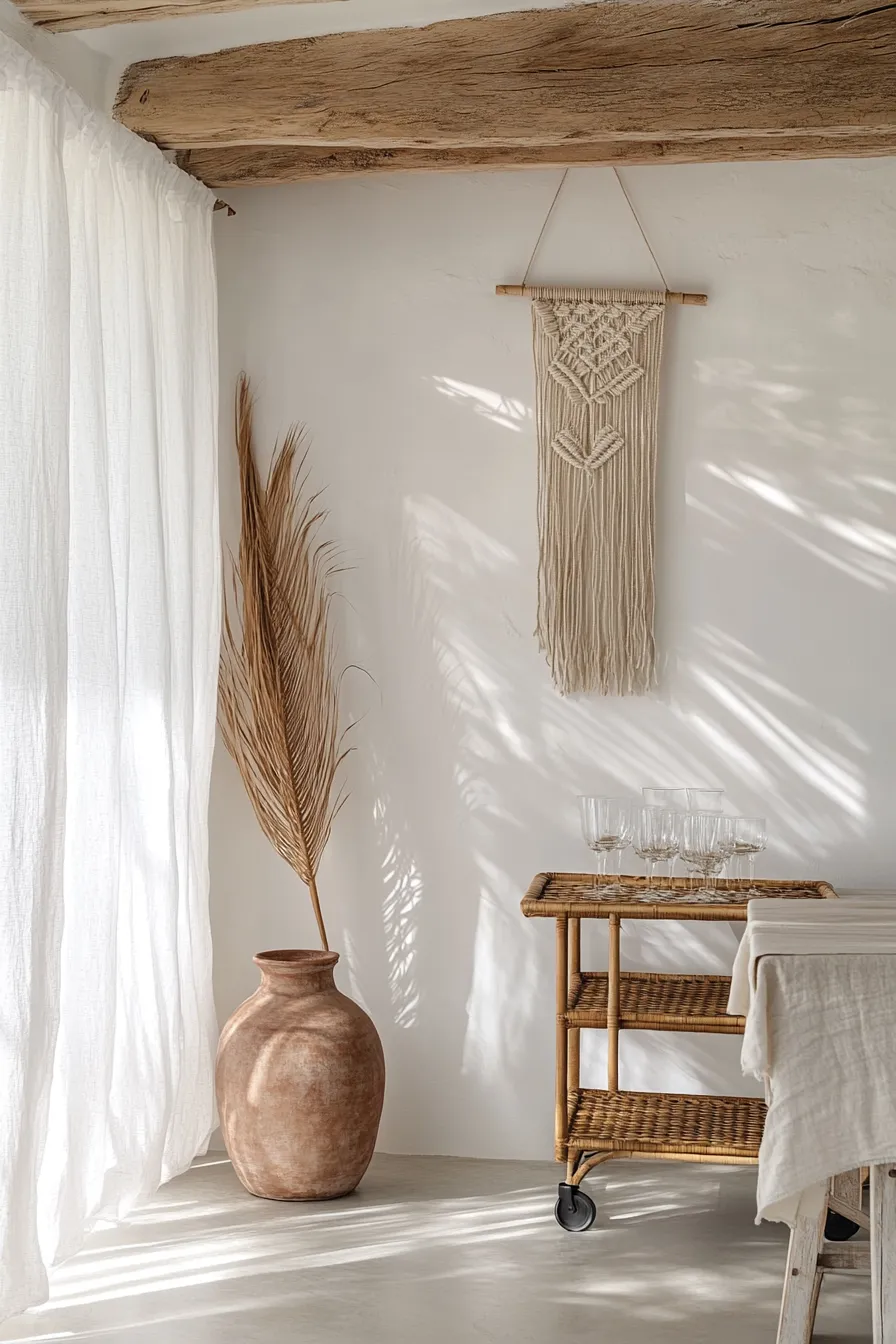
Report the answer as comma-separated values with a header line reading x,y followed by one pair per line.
x,y
675,800
607,826
750,839
707,843
726,825
657,837
705,800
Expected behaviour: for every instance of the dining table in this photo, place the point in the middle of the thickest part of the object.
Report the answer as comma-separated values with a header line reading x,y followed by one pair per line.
x,y
816,985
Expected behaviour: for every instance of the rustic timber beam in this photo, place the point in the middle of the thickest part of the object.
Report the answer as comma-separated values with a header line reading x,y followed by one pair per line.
x,y
656,70
60,15
273,165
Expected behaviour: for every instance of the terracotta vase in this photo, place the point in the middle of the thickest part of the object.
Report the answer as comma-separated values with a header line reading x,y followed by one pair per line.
x,y
300,1079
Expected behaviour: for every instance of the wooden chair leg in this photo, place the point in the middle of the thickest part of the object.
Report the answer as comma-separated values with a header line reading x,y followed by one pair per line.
x,y
847,1188
802,1281
883,1253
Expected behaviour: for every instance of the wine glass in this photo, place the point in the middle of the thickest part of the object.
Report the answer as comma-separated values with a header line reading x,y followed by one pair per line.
x,y
705,800
606,826
657,837
691,845
626,815
750,839
674,799
726,826
707,843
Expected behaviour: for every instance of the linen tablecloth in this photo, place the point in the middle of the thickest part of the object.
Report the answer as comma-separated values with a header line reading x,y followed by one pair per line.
x,y
818,987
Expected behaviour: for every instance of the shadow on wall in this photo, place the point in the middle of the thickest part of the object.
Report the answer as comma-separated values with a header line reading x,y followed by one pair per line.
x,y
369,309
775,586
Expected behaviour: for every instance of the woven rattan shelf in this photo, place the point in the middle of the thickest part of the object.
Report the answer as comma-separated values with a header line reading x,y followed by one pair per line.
x,y
552,895
650,1001
665,1124
592,1126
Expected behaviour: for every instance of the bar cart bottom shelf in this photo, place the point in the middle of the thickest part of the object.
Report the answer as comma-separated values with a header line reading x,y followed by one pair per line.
x,y
666,1124
724,1130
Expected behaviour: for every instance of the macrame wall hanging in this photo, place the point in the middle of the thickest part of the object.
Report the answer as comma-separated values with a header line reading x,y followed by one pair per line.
x,y
597,370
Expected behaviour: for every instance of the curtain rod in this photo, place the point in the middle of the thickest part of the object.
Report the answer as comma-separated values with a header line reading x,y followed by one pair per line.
x,y
672,295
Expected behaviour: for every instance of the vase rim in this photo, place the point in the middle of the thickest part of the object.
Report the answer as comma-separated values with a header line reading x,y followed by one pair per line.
x,y
285,960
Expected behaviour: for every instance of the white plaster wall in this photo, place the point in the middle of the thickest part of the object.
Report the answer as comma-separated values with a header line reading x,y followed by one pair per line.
x,y
85,69
366,309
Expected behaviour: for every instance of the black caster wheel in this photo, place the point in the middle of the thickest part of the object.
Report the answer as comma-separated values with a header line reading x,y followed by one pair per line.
x,y
838,1228
575,1211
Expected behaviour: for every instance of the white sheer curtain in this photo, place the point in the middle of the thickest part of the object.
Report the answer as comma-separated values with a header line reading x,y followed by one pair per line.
x,y
109,610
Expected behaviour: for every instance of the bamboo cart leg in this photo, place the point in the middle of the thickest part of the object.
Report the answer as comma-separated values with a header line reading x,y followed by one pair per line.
x,y
561,1102
574,1210
802,1281
613,1006
585,1164
574,1034
883,1253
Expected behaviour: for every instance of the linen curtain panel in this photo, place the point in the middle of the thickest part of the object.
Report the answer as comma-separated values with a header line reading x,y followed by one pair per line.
x,y
109,632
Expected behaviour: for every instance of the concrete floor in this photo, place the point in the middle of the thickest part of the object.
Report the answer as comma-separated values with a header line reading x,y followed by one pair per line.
x,y
439,1250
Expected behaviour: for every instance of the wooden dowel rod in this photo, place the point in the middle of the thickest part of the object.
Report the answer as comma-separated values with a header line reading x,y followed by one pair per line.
x,y
672,295
561,1113
613,1006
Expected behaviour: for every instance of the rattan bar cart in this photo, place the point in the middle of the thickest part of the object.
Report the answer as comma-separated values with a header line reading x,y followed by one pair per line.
x,y
593,1125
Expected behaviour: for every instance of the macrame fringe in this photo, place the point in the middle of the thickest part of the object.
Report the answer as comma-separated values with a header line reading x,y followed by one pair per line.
x,y
597,360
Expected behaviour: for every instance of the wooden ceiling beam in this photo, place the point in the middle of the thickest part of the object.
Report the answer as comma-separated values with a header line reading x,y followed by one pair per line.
x,y
656,70
60,15
275,165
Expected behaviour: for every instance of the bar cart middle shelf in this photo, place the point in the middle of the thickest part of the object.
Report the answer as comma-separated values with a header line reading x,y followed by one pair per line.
x,y
592,1125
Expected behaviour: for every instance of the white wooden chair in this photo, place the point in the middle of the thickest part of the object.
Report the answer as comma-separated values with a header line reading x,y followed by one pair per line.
x,y
810,1256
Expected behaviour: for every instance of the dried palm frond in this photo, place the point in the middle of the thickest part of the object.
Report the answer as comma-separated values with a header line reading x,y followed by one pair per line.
x,y
279,692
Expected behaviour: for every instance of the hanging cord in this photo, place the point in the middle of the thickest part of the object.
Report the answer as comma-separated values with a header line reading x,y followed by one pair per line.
x,y
628,200
547,220
634,214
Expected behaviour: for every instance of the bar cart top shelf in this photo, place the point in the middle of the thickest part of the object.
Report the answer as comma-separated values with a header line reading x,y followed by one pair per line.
x,y
590,896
